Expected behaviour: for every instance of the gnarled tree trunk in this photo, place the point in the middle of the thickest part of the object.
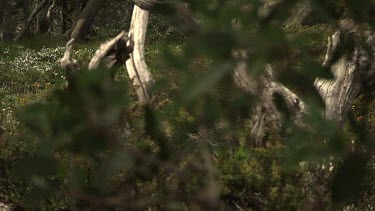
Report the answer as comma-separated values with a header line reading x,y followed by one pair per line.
x,y
266,88
353,71
136,65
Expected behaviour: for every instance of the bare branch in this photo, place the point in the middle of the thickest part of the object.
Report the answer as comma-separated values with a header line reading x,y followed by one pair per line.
x,y
31,17
65,62
115,51
50,10
332,44
240,76
264,87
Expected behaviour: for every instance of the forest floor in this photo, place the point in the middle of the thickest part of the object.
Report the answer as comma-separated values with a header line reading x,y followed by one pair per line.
x,y
29,71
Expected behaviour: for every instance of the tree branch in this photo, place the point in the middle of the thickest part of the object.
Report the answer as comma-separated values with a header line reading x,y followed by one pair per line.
x,y
31,17
115,51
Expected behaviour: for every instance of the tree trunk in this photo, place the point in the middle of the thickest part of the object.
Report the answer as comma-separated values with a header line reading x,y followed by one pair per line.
x,y
26,4
352,71
127,47
42,24
5,22
30,19
136,65
50,15
64,16
267,116
86,19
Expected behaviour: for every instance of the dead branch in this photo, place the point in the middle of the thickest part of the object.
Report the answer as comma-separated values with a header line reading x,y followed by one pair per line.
x,y
31,17
65,62
115,51
353,71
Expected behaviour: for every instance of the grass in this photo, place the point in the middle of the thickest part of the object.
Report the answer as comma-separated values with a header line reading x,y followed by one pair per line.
x,y
250,177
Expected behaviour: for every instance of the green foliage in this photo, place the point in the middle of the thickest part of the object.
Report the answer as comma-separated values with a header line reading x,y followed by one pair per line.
x,y
255,178
95,148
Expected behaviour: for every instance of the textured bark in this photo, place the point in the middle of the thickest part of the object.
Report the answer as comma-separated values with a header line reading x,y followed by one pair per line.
x,y
353,70
113,52
30,19
69,66
370,74
86,19
50,15
118,50
65,62
266,88
136,65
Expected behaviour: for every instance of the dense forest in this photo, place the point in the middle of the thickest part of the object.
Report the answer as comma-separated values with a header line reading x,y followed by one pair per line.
x,y
187,105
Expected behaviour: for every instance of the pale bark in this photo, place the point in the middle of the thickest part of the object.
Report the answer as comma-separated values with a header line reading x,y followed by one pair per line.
x,y
115,51
123,47
265,87
129,47
86,19
353,71
370,74
69,66
65,62
351,74
267,116
136,65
